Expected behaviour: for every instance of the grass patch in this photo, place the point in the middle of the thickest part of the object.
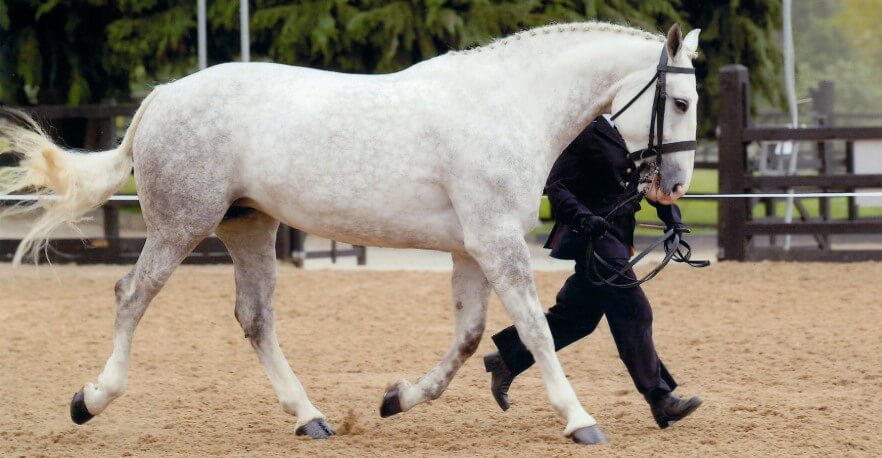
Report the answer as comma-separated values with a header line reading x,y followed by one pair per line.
x,y
695,211
129,188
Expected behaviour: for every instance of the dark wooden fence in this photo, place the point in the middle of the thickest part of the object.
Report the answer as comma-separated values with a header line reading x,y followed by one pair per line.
x,y
111,247
737,226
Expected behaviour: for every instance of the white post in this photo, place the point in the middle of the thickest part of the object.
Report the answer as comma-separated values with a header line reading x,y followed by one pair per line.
x,y
243,22
790,84
201,34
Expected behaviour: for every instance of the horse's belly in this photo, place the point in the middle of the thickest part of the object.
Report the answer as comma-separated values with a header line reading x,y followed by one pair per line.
x,y
404,216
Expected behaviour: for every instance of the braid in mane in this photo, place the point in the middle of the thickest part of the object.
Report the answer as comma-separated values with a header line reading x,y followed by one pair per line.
x,y
573,27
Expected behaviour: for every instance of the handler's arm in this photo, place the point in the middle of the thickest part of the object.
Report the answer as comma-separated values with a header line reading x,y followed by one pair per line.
x,y
565,172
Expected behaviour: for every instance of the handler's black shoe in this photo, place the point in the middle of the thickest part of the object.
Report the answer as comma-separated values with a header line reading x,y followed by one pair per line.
x,y
669,409
500,378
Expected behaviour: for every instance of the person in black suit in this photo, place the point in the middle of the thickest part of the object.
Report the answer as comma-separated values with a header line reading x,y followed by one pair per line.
x,y
591,177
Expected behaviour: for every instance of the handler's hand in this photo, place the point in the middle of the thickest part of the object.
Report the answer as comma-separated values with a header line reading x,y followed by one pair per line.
x,y
593,226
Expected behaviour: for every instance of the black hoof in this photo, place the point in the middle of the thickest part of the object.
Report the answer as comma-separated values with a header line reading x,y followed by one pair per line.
x,y
317,428
391,404
589,435
78,411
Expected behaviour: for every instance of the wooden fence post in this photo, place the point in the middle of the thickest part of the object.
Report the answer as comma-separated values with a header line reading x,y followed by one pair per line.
x,y
734,112
822,101
298,247
283,243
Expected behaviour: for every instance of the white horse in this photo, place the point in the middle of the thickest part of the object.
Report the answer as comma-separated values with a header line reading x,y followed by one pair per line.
x,y
450,154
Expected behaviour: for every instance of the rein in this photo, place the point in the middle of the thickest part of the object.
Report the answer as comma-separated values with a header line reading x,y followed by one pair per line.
x,y
675,248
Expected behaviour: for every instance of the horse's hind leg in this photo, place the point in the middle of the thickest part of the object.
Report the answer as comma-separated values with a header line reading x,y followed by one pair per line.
x,y
251,242
134,292
470,293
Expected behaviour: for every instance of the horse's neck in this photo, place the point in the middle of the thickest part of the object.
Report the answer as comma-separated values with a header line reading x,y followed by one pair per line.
x,y
560,81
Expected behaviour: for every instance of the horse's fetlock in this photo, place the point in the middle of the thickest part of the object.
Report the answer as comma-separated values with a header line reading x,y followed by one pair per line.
x,y
114,389
434,391
289,406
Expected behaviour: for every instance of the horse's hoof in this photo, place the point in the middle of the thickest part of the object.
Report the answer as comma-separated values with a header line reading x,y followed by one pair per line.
x,y
78,411
589,435
391,403
317,428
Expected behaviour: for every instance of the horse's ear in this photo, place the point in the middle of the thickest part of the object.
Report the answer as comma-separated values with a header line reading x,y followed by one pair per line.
x,y
690,41
674,41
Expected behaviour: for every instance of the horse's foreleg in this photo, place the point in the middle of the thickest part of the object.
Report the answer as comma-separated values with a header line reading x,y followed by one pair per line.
x,y
134,292
505,260
251,242
470,293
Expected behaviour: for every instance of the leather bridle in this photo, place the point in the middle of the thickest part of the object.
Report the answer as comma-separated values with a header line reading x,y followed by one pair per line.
x,y
657,147
675,248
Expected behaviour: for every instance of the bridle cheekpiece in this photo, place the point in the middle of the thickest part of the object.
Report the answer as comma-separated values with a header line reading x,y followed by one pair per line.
x,y
656,147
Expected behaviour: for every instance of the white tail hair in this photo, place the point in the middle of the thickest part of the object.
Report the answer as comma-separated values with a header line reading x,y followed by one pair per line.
x,y
68,183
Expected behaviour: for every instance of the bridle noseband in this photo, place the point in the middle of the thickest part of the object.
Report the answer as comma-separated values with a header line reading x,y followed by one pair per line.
x,y
656,146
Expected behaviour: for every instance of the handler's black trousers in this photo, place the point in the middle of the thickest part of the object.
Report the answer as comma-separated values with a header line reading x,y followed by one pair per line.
x,y
580,305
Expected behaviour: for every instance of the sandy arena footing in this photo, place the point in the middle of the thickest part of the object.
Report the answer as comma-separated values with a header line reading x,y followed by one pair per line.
x,y
786,357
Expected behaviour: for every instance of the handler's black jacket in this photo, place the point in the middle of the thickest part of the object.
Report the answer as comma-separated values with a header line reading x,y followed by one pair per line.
x,y
590,178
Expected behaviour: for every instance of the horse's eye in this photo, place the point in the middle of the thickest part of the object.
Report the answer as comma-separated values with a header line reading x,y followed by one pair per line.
x,y
682,105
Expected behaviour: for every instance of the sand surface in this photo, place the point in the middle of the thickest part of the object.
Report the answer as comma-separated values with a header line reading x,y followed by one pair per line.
x,y
788,359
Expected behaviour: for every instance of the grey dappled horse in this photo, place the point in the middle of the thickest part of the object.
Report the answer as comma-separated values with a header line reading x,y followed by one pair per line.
x,y
450,154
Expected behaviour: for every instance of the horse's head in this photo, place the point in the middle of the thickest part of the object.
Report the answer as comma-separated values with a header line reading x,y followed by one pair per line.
x,y
673,178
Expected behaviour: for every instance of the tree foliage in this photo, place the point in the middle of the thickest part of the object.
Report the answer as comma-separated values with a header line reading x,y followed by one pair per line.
x,y
150,40
55,51
840,41
736,31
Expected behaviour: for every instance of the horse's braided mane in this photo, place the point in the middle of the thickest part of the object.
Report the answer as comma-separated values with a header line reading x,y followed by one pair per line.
x,y
592,26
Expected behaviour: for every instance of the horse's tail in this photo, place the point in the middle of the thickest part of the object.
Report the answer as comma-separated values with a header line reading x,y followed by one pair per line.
x,y
66,184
